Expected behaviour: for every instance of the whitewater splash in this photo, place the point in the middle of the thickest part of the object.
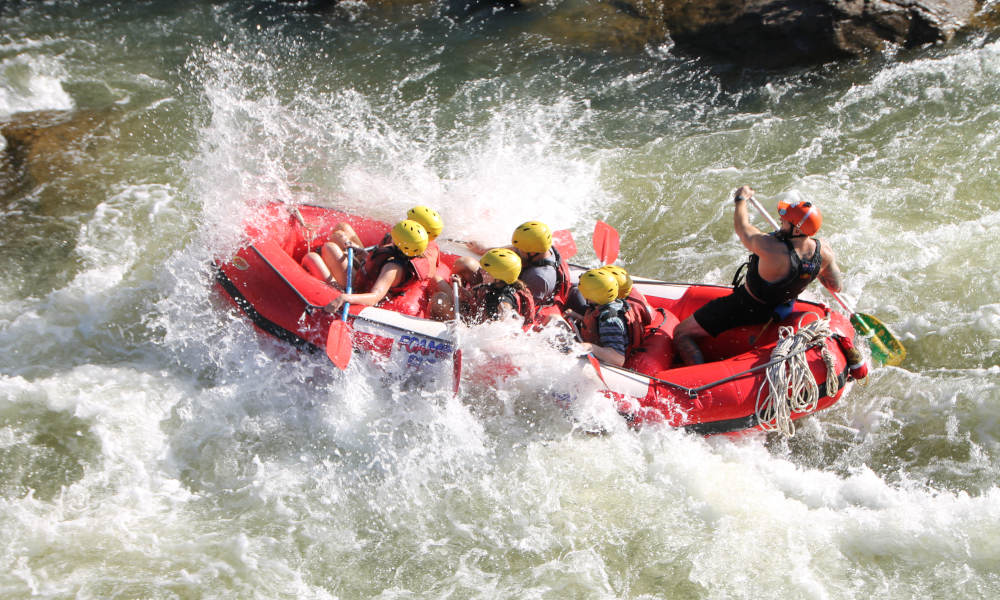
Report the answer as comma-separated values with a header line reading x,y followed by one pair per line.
x,y
153,444
29,83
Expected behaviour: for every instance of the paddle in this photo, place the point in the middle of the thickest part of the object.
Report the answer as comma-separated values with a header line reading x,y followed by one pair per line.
x,y
456,358
338,339
606,242
597,367
885,348
564,239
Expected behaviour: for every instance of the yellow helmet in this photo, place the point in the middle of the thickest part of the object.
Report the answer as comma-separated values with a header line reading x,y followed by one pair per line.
x,y
502,264
599,286
532,237
623,279
410,237
429,218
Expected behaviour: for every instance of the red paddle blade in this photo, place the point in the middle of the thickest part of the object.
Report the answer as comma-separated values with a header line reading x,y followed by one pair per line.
x,y
338,344
563,241
605,242
597,367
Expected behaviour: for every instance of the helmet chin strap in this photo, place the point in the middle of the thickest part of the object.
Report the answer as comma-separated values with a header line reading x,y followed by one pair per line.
x,y
792,232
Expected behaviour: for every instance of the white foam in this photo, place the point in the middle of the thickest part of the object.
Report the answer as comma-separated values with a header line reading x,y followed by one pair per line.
x,y
30,82
226,456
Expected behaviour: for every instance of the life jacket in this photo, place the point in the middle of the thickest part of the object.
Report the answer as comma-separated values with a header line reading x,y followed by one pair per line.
x,y
433,256
634,312
488,297
803,271
563,282
432,253
415,268
636,296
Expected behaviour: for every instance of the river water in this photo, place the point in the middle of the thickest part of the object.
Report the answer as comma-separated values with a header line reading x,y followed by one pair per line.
x,y
152,445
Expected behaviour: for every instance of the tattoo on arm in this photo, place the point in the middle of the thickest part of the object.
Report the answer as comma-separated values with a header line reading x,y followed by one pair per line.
x,y
830,277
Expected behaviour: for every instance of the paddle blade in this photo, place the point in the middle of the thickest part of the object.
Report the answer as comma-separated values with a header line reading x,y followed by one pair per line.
x,y
563,241
597,367
338,344
886,349
606,242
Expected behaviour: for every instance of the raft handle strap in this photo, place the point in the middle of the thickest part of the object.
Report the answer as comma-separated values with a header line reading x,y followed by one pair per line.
x,y
693,392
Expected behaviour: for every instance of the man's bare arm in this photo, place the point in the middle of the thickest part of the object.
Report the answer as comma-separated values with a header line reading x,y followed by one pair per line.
x,y
749,235
829,274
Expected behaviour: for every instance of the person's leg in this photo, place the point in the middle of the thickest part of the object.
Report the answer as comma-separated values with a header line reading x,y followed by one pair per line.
x,y
441,307
466,268
714,317
314,265
344,235
575,300
686,337
335,261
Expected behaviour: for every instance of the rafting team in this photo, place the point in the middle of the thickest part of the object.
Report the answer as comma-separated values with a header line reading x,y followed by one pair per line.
x,y
611,316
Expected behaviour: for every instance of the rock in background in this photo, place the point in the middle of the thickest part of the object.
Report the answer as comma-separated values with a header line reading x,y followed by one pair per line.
x,y
766,33
54,154
776,33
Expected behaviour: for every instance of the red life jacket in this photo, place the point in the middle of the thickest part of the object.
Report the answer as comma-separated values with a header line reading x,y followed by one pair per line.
x,y
636,296
433,256
414,269
488,297
635,313
432,253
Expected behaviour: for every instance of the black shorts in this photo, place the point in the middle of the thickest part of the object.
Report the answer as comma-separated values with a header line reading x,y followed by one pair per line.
x,y
734,310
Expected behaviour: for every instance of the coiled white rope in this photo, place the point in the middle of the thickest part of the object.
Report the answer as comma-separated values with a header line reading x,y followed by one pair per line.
x,y
790,382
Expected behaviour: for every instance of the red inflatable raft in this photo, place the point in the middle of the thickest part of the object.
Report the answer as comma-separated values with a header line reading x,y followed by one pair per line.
x,y
265,280
731,391
804,353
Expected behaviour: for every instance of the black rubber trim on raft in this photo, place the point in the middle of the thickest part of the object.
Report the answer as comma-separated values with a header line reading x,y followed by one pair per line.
x,y
743,423
259,320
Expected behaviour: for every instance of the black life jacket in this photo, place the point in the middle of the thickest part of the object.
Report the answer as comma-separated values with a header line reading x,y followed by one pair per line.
x,y
432,253
488,298
634,312
563,283
801,274
414,268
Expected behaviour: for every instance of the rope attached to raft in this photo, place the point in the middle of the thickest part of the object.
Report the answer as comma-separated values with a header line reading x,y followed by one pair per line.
x,y
791,385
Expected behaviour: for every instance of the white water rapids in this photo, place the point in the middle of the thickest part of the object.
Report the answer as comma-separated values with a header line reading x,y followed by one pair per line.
x,y
153,445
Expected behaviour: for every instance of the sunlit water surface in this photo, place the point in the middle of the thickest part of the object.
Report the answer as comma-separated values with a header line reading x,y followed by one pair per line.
x,y
153,445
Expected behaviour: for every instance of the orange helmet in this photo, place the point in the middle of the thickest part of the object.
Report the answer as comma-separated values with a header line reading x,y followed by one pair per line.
x,y
801,214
